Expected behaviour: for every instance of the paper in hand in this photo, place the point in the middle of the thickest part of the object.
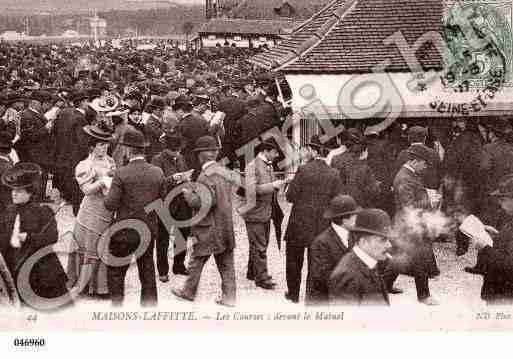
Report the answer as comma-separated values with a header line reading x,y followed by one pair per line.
x,y
475,229
183,176
107,181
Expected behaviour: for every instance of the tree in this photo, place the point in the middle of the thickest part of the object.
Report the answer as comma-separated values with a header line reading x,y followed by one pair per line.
x,y
187,30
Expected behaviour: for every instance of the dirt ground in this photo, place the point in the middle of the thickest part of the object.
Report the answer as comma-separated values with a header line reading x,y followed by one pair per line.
x,y
452,287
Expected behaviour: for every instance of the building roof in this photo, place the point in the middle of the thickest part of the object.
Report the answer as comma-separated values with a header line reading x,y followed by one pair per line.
x,y
266,9
242,26
347,36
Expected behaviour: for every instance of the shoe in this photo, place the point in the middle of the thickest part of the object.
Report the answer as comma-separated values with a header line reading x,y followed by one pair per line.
x,y
290,298
164,278
224,304
180,271
472,270
251,277
429,301
267,284
395,290
179,294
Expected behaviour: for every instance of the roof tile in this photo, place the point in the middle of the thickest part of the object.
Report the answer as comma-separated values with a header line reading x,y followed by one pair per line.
x,y
356,44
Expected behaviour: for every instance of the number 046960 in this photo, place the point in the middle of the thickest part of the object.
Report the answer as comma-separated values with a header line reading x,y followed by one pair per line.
x,y
29,342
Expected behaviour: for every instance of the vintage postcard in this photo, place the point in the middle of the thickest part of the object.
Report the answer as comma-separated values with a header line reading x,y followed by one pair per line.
x,y
267,166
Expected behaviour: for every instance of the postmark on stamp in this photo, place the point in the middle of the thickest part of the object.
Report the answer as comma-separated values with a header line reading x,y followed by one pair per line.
x,y
479,44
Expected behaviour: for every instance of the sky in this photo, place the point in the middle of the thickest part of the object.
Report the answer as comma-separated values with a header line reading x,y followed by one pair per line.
x,y
40,5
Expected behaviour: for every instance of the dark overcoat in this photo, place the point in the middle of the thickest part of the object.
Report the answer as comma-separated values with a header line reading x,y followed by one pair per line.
x,y
71,142
47,277
153,129
310,193
135,186
496,162
34,144
495,264
433,174
357,178
353,283
171,164
5,192
191,127
325,252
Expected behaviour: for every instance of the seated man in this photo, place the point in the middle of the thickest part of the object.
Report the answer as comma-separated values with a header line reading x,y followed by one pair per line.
x,y
355,280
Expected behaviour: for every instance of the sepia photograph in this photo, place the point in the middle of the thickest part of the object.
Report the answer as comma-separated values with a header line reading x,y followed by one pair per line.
x,y
255,165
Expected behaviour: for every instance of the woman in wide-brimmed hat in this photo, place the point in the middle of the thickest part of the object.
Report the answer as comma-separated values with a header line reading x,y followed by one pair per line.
x,y
28,227
93,176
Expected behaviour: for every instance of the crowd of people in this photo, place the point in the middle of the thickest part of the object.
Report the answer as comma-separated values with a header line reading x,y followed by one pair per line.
x,y
119,130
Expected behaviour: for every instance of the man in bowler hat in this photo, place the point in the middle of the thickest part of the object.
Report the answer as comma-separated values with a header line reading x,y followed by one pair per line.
x,y
213,234
356,281
134,186
329,247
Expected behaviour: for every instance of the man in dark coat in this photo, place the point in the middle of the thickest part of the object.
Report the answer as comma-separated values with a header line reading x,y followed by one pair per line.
x,y
410,194
417,136
461,164
234,109
153,128
495,258
214,234
381,162
72,146
496,162
134,187
356,281
172,162
191,127
329,247
310,192
463,185
356,177
34,143
5,164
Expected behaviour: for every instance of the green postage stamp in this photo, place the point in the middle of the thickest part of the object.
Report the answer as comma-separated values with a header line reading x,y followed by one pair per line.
x,y
478,44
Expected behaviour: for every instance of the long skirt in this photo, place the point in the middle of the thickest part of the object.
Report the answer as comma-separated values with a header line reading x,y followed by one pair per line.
x,y
87,254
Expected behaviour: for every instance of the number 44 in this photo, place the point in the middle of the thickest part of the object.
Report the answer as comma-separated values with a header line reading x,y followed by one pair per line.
x,y
483,315
32,318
